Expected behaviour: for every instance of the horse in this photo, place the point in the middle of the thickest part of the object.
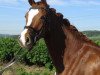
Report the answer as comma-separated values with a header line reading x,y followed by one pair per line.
x,y
72,53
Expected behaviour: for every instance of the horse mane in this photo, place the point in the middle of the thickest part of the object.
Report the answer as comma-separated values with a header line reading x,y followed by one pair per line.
x,y
72,28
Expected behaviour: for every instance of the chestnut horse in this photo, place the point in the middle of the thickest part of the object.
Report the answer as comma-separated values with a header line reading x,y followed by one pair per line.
x,y
72,52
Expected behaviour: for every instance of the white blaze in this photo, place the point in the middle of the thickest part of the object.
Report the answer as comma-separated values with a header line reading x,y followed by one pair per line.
x,y
31,15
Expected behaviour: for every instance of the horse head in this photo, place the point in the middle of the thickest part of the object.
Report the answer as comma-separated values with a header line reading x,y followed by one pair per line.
x,y
36,19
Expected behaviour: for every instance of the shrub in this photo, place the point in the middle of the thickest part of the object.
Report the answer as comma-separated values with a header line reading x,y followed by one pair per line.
x,y
49,65
38,56
8,46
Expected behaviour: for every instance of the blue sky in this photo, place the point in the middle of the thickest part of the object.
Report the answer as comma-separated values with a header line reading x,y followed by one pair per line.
x,y
84,14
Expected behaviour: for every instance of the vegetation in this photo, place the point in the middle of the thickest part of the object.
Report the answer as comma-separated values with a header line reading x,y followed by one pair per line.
x,y
38,56
22,69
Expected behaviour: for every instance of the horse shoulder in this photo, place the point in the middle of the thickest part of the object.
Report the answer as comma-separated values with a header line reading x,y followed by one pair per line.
x,y
92,65
89,63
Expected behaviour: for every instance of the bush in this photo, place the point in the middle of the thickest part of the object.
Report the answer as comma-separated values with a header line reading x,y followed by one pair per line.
x,y
38,56
8,48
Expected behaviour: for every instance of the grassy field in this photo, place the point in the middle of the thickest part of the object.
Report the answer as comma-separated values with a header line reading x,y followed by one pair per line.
x,y
22,69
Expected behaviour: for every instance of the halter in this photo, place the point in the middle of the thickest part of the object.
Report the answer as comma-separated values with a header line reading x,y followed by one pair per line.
x,y
37,34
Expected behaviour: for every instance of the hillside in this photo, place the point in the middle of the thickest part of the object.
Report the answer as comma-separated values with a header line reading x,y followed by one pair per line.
x,y
92,33
7,35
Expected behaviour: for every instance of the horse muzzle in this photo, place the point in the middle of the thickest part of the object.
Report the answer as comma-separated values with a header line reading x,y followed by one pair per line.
x,y
27,43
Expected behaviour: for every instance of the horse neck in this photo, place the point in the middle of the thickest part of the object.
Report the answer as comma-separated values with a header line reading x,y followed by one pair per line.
x,y
73,41
59,41
61,38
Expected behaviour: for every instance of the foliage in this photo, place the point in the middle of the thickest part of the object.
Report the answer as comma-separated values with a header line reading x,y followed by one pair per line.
x,y
38,56
8,47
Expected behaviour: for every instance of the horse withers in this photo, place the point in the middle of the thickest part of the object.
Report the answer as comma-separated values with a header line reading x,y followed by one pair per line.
x,y
72,52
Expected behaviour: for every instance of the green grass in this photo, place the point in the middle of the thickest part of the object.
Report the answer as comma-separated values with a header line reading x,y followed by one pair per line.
x,y
22,69
95,38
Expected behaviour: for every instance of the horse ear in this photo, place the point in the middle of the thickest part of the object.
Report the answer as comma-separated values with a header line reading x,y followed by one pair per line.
x,y
44,1
31,2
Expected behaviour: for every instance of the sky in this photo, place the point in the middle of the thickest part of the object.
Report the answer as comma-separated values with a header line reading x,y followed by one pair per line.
x,y
84,14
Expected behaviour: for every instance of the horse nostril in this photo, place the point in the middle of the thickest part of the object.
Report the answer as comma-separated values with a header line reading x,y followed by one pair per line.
x,y
28,41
